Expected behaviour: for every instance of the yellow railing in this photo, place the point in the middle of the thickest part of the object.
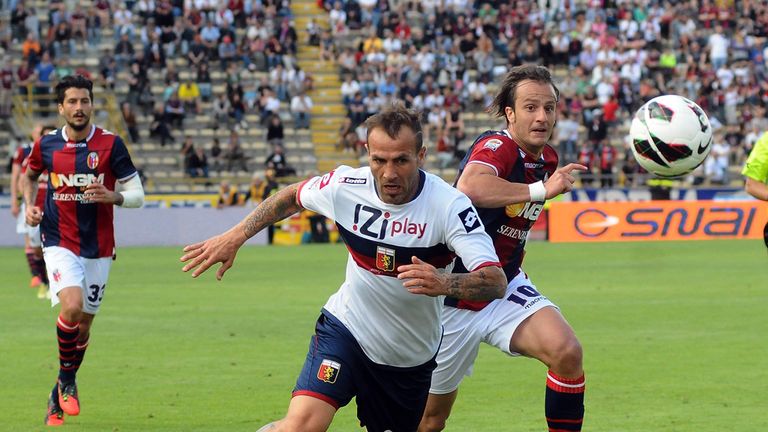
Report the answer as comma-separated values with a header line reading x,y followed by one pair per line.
x,y
22,114
26,109
115,121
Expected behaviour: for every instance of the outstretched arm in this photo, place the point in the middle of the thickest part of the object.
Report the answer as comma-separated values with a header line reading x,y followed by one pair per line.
x,y
485,283
480,183
223,247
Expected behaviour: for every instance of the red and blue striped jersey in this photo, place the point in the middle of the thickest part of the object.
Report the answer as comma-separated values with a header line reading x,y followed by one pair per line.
x,y
21,158
20,155
69,219
508,226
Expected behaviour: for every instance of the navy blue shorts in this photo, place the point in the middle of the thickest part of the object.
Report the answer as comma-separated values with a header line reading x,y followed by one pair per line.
x,y
337,369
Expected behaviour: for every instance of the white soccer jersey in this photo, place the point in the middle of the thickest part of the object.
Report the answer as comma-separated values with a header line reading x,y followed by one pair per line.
x,y
393,326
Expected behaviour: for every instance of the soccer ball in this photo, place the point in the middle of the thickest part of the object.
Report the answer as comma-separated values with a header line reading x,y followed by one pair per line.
x,y
671,136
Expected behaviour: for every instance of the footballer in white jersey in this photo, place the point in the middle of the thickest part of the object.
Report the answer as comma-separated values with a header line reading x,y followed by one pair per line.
x,y
377,337
380,237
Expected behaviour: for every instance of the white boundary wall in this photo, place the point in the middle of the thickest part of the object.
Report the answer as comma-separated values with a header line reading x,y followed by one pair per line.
x,y
156,226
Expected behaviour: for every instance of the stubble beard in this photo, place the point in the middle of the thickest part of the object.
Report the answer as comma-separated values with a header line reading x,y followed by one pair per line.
x,y
81,127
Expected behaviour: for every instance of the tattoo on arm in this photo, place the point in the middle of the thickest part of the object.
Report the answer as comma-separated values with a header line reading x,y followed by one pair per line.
x,y
15,182
477,285
29,185
273,209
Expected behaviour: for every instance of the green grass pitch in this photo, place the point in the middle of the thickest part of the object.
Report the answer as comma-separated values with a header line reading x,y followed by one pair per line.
x,y
674,336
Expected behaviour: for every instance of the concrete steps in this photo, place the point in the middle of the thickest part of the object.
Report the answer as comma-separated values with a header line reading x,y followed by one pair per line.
x,y
324,81
337,109
328,112
306,9
318,67
325,124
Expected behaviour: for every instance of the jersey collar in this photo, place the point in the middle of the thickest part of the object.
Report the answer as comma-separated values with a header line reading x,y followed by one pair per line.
x,y
523,154
88,138
422,180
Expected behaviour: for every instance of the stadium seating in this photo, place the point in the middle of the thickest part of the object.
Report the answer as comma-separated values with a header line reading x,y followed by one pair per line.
x,y
316,149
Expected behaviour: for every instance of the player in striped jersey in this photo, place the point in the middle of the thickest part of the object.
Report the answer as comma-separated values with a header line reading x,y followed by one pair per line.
x,y
32,244
377,336
508,175
84,163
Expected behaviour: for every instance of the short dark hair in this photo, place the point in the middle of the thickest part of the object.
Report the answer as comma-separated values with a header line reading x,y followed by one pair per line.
x,y
506,96
73,81
394,118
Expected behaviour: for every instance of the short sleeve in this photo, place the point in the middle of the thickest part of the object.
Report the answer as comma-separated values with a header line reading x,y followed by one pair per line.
x,y
317,194
465,235
497,152
35,158
756,166
120,160
18,156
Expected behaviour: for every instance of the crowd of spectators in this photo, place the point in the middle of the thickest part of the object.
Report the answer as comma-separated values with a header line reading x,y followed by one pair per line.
x,y
442,57
252,43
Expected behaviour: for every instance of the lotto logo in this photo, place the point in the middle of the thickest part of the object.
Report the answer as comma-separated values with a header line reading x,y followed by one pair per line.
x,y
469,219
353,180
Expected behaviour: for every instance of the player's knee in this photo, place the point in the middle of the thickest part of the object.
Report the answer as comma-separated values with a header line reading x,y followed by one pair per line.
x,y
568,356
71,307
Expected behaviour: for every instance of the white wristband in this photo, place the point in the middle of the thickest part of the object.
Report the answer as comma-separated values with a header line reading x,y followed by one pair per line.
x,y
538,191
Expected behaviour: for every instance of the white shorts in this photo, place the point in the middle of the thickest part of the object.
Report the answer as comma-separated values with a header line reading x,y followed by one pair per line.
x,y
463,330
33,232
65,269
21,221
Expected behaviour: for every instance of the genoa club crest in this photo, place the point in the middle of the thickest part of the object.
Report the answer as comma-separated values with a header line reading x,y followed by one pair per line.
x,y
92,160
385,259
329,371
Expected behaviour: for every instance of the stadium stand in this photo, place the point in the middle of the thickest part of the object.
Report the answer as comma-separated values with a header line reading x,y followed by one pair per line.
x,y
204,68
